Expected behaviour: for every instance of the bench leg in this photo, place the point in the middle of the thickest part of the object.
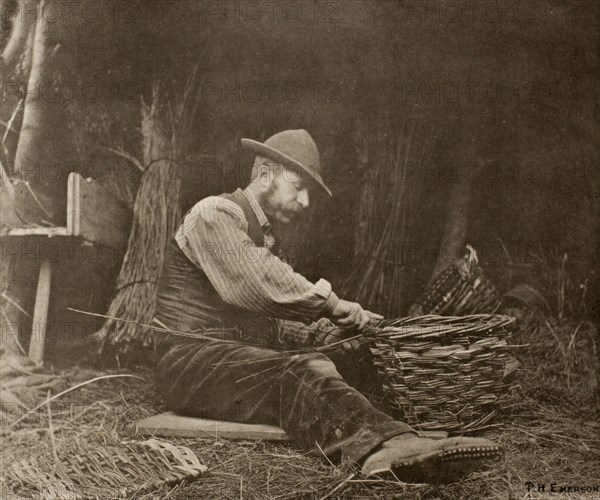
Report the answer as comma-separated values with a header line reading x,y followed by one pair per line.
x,y
40,313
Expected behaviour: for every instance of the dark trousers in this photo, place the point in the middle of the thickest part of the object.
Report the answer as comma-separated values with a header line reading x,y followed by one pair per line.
x,y
303,394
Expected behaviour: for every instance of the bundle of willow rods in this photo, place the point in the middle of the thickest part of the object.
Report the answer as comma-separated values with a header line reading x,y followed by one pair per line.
x,y
124,471
166,129
460,289
391,153
443,372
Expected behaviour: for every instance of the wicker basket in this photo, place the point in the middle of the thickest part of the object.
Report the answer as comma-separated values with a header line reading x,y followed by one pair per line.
x,y
443,372
459,290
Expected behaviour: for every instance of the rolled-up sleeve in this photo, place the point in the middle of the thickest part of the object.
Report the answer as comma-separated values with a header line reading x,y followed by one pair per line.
x,y
214,236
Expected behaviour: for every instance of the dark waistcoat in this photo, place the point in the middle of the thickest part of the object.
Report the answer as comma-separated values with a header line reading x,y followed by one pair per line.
x,y
187,301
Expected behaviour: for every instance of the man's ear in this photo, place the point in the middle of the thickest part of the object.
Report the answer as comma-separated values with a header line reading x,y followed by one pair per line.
x,y
266,173
263,174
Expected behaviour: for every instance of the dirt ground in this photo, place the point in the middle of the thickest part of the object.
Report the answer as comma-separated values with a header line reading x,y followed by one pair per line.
x,y
548,423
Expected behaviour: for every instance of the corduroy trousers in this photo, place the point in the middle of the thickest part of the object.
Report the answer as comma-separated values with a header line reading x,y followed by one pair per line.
x,y
304,394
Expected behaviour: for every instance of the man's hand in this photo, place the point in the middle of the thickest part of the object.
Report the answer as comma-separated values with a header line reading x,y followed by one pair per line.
x,y
328,334
350,314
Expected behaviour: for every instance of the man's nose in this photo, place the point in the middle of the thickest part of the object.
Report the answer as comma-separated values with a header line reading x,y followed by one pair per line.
x,y
303,200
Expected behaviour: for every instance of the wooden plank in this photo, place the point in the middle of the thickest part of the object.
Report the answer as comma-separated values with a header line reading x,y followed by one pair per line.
x,y
97,215
73,200
8,215
36,231
433,434
40,313
171,425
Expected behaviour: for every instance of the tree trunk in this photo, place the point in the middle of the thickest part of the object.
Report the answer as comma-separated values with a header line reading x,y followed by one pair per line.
x,y
17,50
21,385
455,229
22,21
40,151
459,199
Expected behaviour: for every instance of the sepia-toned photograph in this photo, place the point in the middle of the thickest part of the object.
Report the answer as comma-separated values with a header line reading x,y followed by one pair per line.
x,y
300,249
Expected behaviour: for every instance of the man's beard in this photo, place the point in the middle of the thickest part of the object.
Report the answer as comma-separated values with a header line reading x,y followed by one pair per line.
x,y
272,209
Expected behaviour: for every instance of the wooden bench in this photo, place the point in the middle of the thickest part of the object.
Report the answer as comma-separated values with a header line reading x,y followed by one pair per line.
x,y
94,216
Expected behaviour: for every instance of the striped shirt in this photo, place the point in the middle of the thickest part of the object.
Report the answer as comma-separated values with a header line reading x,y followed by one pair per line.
x,y
214,237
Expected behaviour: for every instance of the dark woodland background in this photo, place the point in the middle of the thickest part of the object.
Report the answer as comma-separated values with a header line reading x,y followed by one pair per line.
x,y
506,93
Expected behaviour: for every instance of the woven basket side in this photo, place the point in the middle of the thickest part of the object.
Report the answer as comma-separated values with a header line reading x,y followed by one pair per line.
x,y
443,372
460,289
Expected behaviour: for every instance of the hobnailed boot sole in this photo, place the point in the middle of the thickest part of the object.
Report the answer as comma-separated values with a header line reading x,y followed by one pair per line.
x,y
446,463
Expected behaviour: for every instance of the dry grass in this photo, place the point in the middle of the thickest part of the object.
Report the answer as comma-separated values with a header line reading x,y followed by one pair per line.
x,y
561,363
549,428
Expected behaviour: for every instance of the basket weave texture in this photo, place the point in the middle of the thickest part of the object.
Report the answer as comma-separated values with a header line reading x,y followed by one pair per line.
x,y
106,472
443,372
459,290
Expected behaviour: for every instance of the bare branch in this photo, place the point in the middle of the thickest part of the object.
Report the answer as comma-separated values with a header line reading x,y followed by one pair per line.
x,y
124,154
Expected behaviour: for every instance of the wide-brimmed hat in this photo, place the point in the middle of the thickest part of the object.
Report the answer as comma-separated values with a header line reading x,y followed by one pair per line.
x,y
291,148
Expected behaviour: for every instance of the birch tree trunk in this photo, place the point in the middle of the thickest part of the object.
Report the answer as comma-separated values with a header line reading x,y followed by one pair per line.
x,y
22,21
22,384
40,154
17,50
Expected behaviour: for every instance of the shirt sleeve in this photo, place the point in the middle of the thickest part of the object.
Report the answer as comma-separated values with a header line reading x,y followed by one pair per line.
x,y
294,334
214,236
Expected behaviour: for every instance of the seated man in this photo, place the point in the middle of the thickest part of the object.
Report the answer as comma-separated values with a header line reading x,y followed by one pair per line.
x,y
237,305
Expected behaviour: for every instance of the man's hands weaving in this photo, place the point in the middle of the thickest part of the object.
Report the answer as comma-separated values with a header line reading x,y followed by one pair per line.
x,y
344,322
349,318
350,314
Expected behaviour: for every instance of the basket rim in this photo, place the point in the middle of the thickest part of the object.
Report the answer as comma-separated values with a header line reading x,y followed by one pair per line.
x,y
435,326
